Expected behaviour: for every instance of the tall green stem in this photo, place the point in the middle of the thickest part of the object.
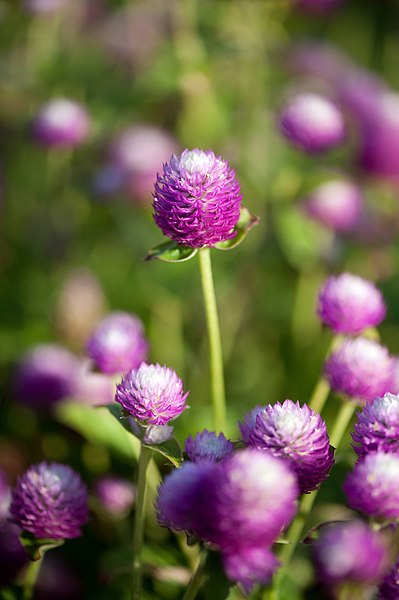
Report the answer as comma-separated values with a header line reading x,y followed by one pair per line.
x,y
197,579
341,422
320,395
215,344
31,576
138,527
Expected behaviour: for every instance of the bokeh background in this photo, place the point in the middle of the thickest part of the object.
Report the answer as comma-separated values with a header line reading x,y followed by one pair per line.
x,y
156,77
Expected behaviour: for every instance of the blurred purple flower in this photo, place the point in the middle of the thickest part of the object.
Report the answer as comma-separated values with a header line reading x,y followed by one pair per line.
x,y
197,199
107,182
350,552
377,426
248,423
116,494
361,368
43,7
373,486
13,556
95,389
250,565
61,123
336,204
45,376
312,123
206,445
118,344
350,304
299,435
152,394
50,501
317,7
389,588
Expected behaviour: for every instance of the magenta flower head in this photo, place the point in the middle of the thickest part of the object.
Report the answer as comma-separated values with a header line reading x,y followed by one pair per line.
x,y
45,376
206,445
247,425
312,123
336,204
389,588
373,486
299,435
118,343
250,565
377,426
61,123
152,394
115,494
50,501
349,304
350,551
197,199
361,368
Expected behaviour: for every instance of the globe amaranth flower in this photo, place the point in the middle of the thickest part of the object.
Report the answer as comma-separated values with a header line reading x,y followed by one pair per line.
x,y
312,123
361,368
50,501
349,551
118,343
45,376
349,304
299,435
377,426
61,123
389,588
115,494
247,425
152,394
206,445
373,486
336,204
250,565
197,199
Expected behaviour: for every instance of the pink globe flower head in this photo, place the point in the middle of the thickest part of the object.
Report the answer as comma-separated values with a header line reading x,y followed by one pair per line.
x,y
115,494
361,369
359,90
50,501
312,123
94,389
43,7
377,426
373,486
206,445
389,588
197,199
250,565
152,394
317,7
118,343
299,435
139,153
350,304
336,204
247,425
45,376
350,551
61,123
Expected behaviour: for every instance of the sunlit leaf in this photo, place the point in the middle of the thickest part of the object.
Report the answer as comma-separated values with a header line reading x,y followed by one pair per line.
x,y
171,252
244,224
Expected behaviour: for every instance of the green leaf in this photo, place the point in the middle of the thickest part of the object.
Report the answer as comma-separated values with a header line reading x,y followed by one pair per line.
x,y
216,585
171,252
244,224
36,547
99,426
170,450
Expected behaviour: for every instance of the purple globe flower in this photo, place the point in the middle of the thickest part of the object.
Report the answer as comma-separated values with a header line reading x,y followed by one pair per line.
x,y
118,343
50,501
336,204
116,494
13,556
43,7
312,123
361,368
61,123
206,445
152,394
197,199
377,426
350,552
251,565
45,376
299,435
373,486
389,588
248,423
349,304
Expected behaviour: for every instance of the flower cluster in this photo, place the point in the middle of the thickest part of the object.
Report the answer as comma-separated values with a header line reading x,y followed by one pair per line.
x,y
377,426
206,445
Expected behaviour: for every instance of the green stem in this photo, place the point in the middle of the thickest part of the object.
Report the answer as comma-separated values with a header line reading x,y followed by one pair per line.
x,y
197,579
138,528
341,422
215,344
320,395
31,576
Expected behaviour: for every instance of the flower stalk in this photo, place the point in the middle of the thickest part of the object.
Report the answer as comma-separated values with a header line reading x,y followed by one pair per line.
x,y
31,576
138,526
